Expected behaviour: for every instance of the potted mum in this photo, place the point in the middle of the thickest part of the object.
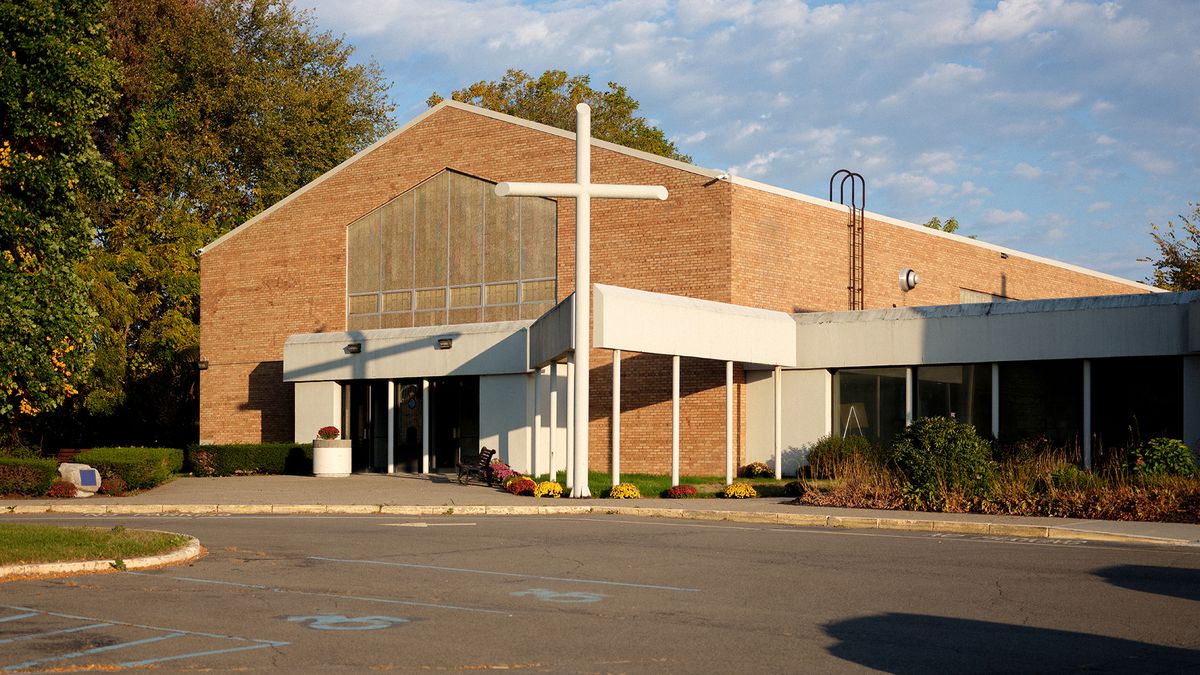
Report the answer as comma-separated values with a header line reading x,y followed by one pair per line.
x,y
331,454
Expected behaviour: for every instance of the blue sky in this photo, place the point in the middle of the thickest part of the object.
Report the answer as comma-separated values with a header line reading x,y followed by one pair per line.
x,y
1060,128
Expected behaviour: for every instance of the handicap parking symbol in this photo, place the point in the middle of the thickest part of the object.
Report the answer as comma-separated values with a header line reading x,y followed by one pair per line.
x,y
339,622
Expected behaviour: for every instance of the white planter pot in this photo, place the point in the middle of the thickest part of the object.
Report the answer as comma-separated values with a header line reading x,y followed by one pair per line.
x,y
331,459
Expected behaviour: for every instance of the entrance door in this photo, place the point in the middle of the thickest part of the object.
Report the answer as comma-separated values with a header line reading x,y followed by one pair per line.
x,y
408,426
364,418
454,421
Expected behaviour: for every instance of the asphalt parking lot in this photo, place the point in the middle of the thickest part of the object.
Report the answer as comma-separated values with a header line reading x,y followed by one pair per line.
x,y
606,594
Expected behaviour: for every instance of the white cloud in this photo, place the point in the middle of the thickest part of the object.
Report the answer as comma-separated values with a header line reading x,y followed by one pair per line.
x,y
1151,162
969,188
999,217
689,139
1098,206
1027,171
913,185
936,162
758,165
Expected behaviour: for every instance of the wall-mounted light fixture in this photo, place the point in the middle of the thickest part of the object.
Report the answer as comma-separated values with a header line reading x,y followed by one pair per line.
x,y
445,343
1003,256
354,348
908,279
202,364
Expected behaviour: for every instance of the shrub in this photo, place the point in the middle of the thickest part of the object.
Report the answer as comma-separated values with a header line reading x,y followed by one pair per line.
x,y
680,491
1071,477
939,455
624,491
245,459
30,477
140,468
829,455
757,470
738,491
1161,457
62,489
114,487
548,488
521,486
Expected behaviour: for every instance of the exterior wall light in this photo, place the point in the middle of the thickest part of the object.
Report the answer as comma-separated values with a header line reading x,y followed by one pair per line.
x,y
354,348
908,279
445,343
1003,256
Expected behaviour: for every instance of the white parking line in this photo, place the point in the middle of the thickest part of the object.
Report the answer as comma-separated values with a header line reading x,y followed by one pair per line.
x,y
518,575
340,596
167,633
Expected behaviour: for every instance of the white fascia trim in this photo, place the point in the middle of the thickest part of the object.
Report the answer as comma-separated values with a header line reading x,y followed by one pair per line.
x,y
782,192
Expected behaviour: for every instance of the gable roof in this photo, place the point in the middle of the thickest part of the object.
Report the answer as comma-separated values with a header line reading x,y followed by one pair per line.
x,y
664,161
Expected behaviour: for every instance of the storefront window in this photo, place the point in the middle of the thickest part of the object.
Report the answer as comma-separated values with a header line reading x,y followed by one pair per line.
x,y
869,402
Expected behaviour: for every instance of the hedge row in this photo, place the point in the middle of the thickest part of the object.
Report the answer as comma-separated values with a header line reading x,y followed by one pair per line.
x,y
140,468
251,458
30,477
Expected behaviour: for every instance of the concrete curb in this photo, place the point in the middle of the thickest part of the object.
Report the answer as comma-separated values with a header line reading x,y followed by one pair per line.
x,y
992,529
186,553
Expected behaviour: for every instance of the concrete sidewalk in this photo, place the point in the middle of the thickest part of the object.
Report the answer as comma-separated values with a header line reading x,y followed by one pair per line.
x,y
419,495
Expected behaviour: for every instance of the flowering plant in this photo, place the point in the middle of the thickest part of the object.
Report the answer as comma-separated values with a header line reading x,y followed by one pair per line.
x,y
114,486
757,470
624,491
500,472
521,486
548,488
328,433
681,491
62,489
738,491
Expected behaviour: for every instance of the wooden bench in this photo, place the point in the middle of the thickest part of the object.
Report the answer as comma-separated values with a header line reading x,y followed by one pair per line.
x,y
478,468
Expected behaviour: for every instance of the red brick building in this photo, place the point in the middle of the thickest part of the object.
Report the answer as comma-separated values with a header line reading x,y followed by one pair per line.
x,y
406,242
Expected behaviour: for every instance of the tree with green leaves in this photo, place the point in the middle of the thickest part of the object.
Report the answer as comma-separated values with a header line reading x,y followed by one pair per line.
x,y
226,107
951,224
1177,267
551,99
56,81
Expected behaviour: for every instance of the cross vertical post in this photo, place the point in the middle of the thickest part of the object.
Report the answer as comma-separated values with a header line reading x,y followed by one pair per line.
x,y
582,190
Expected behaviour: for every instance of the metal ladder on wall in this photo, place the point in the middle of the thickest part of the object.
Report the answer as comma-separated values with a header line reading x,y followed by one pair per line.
x,y
858,204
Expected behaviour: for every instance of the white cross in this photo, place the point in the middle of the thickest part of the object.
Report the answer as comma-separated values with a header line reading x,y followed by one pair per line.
x,y
582,190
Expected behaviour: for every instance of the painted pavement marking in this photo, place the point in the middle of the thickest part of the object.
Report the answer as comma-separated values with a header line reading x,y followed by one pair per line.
x,y
339,596
339,622
34,636
426,524
165,634
547,595
517,575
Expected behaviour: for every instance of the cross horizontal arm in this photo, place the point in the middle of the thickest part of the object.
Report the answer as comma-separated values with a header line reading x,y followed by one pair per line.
x,y
610,191
537,190
598,190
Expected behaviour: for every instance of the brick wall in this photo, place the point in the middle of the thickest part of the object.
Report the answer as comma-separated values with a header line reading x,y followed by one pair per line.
x,y
285,274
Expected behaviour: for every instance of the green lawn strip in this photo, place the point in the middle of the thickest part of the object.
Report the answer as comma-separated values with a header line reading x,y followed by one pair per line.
x,y
24,543
654,485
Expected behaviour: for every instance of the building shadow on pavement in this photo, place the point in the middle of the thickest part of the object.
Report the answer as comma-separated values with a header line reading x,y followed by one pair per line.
x,y
916,643
1170,581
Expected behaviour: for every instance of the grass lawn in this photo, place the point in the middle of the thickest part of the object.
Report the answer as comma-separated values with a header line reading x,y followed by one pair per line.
x,y
22,543
653,485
